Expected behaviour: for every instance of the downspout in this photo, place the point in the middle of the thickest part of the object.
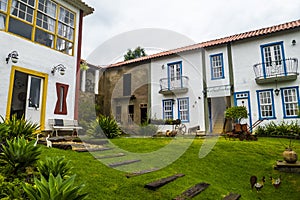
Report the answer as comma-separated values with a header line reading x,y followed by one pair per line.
x,y
205,101
231,75
77,89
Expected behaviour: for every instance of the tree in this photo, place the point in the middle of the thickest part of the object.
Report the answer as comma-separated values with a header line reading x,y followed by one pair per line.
x,y
136,53
236,113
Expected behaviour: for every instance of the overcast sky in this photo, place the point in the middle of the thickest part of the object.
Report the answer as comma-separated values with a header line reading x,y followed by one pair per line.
x,y
199,20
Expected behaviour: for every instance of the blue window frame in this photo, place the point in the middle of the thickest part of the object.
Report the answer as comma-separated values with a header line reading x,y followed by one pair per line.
x,y
265,101
168,109
273,59
217,66
175,75
183,109
290,101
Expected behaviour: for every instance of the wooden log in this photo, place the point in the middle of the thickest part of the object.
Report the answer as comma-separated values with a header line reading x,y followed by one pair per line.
x,y
232,196
127,162
161,182
141,172
193,191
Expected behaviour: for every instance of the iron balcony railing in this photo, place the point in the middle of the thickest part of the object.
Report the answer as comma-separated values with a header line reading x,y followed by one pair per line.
x,y
276,69
177,84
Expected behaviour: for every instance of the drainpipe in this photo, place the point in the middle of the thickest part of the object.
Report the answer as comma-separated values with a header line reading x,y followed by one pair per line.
x,y
231,76
77,89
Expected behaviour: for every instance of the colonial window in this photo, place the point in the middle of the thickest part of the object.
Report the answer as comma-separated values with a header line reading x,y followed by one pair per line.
x,y
130,114
118,113
61,103
43,21
168,109
175,75
127,85
273,59
290,98
183,109
265,104
217,68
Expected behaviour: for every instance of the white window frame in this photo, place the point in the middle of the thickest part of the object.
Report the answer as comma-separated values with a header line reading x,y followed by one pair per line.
x,y
168,109
217,66
265,101
183,109
290,101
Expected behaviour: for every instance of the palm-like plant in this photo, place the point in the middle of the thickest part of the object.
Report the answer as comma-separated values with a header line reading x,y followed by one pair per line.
x,y
104,126
18,154
19,127
54,165
56,188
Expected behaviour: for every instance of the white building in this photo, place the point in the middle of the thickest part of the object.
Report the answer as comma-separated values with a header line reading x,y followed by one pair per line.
x,y
256,69
45,36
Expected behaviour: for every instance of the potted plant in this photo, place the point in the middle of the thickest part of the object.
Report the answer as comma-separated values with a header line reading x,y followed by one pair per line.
x,y
236,113
289,155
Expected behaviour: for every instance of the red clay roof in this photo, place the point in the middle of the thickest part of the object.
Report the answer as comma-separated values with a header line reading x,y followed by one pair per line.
x,y
233,38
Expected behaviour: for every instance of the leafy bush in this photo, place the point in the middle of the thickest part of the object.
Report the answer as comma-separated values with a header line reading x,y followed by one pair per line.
x,y
281,129
10,189
236,113
56,188
18,128
54,165
104,126
17,155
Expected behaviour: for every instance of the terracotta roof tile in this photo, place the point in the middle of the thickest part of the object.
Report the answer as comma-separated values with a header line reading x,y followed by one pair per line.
x,y
215,42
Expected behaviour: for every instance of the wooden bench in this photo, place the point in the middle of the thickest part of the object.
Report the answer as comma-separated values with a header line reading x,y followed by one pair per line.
x,y
64,124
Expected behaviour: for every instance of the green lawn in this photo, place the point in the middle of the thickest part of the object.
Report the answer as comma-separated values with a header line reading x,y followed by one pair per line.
x,y
227,168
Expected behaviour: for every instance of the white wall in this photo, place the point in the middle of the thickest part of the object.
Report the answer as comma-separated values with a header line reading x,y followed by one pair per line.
x,y
191,67
246,54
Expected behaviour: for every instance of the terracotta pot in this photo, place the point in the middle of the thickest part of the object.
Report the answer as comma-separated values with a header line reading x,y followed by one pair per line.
x,y
290,156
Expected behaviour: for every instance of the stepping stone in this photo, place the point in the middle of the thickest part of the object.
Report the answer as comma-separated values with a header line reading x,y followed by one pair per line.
x,y
193,191
141,172
232,196
161,182
127,162
92,149
110,156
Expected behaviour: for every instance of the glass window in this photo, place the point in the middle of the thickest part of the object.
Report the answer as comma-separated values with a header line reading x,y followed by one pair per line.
x,y
174,75
183,108
168,109
266,106
273,61
54,23
290,102
34,95
217,70
126,84
3,5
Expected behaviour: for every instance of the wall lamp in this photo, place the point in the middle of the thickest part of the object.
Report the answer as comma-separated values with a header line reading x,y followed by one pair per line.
x,y
276,91
294,42
13,56
60,68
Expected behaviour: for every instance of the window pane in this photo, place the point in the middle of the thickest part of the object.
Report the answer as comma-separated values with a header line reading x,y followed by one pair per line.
x,y
44,38
290,102
34,96
64,46
2,21
19,28
3,5
266,104
23,10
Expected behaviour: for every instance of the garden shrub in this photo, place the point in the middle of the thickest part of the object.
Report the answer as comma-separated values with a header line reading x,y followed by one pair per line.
x,y
10,189
104,126
54,165
56,188
17,128
17,155
282,129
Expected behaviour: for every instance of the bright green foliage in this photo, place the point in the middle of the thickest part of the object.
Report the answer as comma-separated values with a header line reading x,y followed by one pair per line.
x,y
18,128
19,154
236,113
4,130
56,188
10,189
282,129
54,165
104,126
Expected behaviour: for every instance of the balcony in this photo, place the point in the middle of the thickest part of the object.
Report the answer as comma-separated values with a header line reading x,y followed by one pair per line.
x,y
281,70
173,86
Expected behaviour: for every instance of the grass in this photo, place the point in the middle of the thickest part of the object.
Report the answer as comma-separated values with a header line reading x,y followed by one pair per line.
x,y
227,168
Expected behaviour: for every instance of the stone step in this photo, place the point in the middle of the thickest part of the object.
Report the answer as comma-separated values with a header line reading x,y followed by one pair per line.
x,y
141,172
193,191
110,156
161,182
232,196
127,162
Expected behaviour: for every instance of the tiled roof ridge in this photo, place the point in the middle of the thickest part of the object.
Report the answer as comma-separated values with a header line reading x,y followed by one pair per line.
x,y
214,42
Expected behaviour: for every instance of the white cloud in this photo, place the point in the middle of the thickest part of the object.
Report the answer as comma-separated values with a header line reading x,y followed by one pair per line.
x,y
200,20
